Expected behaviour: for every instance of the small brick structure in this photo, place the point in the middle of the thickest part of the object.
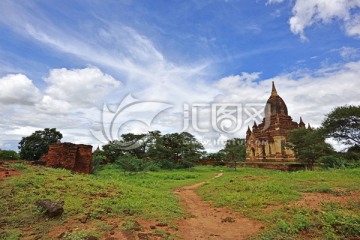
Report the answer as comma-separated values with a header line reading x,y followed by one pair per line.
x,y
75,157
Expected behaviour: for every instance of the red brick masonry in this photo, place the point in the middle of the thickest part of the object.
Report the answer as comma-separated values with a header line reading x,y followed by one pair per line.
x,y
75,157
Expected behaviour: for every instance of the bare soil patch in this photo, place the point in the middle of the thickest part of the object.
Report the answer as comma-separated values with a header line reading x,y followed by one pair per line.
x,y
5,171
207,222
315,199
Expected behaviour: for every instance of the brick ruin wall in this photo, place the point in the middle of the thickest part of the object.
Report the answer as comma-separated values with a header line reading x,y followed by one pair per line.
x,y
75,157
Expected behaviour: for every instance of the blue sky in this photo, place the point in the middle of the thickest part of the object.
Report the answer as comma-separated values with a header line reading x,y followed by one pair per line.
x,y
60,61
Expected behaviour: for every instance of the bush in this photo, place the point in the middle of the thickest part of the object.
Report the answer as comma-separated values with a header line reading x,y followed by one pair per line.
x,y
96,163
9,155
130,163
152,166
332,162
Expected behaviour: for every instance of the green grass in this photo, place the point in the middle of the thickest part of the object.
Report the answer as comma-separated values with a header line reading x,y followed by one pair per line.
x,y
108,193
251,191
111,194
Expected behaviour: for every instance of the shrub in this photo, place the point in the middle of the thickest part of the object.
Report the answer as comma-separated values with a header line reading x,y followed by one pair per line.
x,y
9,155
130,163
332,162
97,160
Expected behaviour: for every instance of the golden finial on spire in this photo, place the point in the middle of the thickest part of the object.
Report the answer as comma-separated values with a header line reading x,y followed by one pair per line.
x,y
273,90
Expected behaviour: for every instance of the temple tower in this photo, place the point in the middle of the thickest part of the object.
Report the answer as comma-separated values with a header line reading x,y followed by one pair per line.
x,y
266,142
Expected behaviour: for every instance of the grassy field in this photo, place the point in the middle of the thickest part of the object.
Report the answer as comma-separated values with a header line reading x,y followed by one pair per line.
x,y
109,193
272,197
266,195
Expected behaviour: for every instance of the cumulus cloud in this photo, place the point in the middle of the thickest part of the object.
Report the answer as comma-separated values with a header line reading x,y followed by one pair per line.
x,y
18,89
78,86
306,13
53,106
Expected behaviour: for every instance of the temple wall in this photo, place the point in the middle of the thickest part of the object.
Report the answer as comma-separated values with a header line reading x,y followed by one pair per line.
x,y
69,156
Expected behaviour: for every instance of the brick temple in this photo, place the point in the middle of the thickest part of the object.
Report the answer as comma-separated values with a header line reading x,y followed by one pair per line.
x,y
75,157
266,142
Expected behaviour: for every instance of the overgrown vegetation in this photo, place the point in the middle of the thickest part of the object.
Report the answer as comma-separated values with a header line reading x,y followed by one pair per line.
x,y
8,155
270,196
104,195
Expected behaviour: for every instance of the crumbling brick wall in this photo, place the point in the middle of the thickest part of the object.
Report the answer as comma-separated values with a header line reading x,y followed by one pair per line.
x,y
75,157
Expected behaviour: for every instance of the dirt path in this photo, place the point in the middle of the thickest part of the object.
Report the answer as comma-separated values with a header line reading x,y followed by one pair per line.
x,y
208,222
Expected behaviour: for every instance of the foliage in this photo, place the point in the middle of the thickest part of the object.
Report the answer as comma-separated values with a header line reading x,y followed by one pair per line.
x,y
332,161
343,124
97,161
353,153
235,150
309,145
36,145
9,155
175,150
130,163
219,158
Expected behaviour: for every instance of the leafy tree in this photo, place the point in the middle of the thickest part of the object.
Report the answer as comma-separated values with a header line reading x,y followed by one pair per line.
x,y
309,145
169,150
219,157
8,155
182,149
113,150
36,145
343,124
235,151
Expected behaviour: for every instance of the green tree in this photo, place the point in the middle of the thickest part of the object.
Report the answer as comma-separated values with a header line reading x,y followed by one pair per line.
x,y
8,155
309,145
181,149
219,158
343,124
169,150
235,151
36,145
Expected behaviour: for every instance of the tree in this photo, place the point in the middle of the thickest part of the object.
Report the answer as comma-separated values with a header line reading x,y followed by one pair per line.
x,y
219,158
343,124
181,149
309,145
8,155
235,151
36,145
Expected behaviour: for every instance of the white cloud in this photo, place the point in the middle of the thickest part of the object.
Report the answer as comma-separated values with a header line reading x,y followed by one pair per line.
x,y
232,82
349,53
274,1
18,89
79,86
53,106
306,13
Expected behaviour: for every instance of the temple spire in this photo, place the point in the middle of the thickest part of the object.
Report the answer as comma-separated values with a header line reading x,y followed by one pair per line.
x,y
248,130
301,124
273,90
